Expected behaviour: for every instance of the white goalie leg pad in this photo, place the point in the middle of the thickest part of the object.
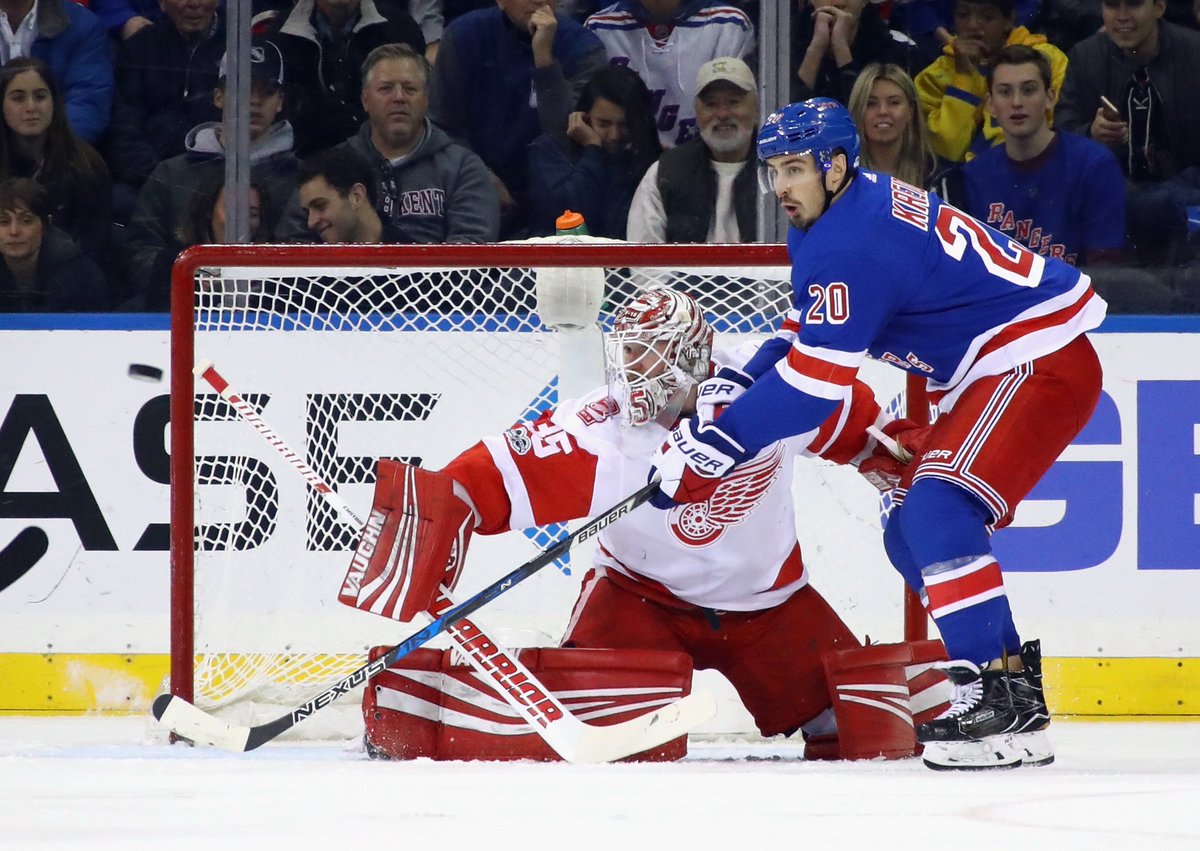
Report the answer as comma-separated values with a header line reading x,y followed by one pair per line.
x,y
991,752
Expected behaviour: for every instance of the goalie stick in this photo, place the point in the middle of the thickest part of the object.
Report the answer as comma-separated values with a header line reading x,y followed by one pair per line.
x,y
570,738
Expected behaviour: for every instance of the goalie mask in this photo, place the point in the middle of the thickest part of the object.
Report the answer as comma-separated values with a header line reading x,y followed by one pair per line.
x,y
658,350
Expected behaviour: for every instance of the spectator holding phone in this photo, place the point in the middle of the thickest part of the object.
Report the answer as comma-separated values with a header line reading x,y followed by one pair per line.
x,y
1146,69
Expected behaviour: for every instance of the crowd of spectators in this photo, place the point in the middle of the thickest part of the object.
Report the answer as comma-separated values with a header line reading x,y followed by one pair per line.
x,y
1072,126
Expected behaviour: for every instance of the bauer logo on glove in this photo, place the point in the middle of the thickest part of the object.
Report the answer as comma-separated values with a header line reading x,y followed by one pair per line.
x,y
690,464
414,541
699,457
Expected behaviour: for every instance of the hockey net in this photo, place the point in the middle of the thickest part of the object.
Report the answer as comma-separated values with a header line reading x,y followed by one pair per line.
x,y
414,352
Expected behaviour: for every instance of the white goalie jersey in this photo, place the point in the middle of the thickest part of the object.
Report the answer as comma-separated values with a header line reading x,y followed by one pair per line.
x,y
736,552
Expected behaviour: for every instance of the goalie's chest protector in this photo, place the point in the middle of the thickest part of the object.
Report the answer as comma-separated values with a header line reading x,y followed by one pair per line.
x,y
735,552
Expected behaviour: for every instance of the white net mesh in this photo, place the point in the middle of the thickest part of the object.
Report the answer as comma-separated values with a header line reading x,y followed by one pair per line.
x,y
352,358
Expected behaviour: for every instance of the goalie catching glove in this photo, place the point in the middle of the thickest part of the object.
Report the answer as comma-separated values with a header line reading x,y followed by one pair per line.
x,y
886,464
414,541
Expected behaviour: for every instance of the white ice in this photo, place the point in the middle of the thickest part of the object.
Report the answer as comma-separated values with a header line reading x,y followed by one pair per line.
x,y
100,783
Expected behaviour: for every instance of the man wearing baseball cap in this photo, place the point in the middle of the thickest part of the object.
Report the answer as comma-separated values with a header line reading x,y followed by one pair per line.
x,y
173,183
705,190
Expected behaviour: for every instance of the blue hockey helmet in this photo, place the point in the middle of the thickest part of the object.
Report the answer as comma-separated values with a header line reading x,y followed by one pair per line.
x,y
818,126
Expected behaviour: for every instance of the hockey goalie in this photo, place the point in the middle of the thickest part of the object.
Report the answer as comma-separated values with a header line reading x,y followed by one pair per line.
x,y
721,584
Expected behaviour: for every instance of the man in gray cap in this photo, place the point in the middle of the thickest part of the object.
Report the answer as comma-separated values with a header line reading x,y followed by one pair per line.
x,y
705,190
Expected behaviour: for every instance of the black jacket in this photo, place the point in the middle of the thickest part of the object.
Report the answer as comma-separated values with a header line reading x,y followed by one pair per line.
x,y
874,42
152,243
322,82
164,89
66,281
1097,67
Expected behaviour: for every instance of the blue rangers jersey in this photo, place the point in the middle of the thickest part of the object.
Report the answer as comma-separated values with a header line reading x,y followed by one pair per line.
x,y
891,272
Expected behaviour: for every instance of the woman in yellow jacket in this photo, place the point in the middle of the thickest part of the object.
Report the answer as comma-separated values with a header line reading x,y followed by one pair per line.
x,y
953,90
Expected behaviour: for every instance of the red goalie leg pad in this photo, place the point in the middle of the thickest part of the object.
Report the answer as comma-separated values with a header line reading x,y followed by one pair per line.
x,y
928,688
869,690
415,539
429,705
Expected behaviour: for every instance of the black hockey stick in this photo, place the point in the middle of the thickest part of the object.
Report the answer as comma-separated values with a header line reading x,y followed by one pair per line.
x,y
186,720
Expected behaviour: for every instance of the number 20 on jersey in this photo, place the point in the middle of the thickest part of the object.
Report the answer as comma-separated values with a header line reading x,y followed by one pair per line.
x,y
831,303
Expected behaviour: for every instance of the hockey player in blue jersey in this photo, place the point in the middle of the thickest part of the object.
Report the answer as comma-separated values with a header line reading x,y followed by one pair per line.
x,y
883,269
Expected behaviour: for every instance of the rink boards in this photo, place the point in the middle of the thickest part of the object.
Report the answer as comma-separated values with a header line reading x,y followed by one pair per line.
x,y
1103,563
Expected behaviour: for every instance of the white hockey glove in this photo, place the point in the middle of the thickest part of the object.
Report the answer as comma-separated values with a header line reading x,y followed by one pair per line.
x,y
691,464
714,395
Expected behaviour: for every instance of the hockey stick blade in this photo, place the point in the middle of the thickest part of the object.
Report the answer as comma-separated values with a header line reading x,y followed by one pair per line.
x,y
605,744
186,721
568,736
211,730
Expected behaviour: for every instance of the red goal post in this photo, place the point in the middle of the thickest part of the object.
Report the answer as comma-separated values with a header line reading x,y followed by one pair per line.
x,y
352,352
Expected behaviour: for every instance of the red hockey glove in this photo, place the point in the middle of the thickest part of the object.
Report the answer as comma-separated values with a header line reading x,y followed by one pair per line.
x,y
692,462
886,464
415,540
714,395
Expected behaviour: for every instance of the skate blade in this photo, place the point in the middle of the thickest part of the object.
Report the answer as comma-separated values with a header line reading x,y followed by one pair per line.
x,y
1035,748
990,753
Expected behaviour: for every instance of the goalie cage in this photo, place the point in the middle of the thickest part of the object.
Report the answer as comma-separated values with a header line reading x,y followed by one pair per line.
x,y
415,352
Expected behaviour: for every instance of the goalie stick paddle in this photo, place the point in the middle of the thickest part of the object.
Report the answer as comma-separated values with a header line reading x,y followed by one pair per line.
x,y
571,738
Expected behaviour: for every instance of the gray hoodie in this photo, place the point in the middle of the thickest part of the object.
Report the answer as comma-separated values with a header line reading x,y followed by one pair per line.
x,y
173,183
442,192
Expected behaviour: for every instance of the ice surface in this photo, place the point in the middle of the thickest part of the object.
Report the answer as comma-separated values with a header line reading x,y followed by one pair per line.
x,y
99,783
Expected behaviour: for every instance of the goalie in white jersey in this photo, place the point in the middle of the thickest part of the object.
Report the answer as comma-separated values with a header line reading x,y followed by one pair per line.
x,y
722,581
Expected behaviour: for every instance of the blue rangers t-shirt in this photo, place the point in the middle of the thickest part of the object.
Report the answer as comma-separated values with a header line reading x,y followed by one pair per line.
x,y
1065,202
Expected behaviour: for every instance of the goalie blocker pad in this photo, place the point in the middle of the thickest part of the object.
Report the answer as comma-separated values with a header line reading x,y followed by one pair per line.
x,y
415,540
430,705
879,694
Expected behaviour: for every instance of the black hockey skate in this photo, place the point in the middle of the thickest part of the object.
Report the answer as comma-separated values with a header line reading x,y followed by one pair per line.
x,y
1033,717
976,732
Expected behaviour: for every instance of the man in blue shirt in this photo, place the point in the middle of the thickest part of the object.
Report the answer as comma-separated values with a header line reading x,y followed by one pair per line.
x,y
1058,194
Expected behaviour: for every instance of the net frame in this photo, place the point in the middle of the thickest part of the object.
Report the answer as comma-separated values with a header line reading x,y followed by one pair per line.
x,y
327,257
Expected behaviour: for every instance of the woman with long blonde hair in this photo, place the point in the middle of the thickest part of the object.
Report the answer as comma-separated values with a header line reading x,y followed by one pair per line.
x,y
894,139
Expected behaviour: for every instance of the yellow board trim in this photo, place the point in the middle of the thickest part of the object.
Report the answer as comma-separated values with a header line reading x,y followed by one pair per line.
x,y
1122,687
66,684
74,683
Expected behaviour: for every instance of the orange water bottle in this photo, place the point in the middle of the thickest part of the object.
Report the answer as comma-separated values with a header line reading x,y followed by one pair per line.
x,y
571,223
